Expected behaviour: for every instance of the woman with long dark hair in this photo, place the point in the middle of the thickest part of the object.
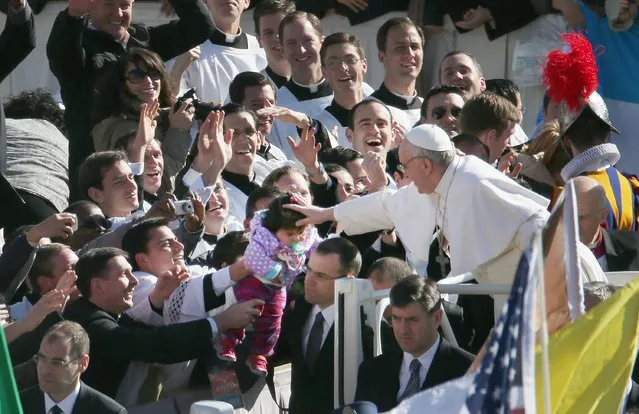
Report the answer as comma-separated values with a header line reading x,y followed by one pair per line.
x,y
140,77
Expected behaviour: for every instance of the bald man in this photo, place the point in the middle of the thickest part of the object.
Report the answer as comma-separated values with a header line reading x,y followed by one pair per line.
x,y
615,250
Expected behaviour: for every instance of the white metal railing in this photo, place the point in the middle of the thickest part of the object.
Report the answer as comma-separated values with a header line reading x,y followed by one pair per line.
x,y
354,295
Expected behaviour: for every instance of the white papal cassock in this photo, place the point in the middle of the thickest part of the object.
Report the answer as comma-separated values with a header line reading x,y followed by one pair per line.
x,y
484,214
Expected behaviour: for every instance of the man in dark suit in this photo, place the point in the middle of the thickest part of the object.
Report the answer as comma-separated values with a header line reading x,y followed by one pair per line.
x,y
615,250
62,358
426,359
106,282
308,328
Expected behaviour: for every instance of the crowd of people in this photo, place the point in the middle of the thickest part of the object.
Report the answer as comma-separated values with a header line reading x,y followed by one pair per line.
x,y
190,204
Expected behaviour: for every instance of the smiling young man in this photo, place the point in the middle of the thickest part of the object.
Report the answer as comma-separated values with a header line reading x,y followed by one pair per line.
x,y
462,70
442,107
267,17
227,52
400,45
344,66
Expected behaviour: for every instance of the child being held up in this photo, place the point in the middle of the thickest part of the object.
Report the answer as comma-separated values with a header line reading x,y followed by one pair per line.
x,y
276,255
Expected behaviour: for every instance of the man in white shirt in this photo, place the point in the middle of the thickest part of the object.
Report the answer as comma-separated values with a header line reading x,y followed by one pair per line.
x,y
226,53
62,358
400,45
426,359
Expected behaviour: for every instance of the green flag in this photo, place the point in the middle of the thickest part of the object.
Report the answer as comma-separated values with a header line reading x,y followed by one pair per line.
x,y
9,399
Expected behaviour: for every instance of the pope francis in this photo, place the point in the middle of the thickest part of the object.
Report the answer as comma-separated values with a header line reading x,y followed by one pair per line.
x,y
487,217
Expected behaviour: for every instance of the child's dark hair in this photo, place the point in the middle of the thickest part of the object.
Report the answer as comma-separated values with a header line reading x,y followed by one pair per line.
x,y
229,249
277,217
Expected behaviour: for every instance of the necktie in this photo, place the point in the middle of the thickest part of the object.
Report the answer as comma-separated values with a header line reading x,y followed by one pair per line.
x,y
56,410
315,341
414,384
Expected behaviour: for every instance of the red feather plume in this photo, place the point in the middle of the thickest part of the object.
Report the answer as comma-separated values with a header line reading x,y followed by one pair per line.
x,y
571,76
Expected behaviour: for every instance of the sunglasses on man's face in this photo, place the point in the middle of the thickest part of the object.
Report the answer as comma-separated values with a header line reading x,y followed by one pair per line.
x,y
139,76
441,111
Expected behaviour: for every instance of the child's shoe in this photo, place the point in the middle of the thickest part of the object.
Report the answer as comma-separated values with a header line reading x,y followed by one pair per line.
x,y
257,364
226,350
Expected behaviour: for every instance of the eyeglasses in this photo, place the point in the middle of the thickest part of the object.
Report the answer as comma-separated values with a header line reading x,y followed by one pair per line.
x,y
350,60
439,112
318,275
139,76
402,167
218,188
55,362
96,222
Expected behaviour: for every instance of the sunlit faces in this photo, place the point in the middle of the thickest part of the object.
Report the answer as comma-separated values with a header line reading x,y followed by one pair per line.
x,y
163,251
115,288
301,45
119,194
358,174
144,85
345,184
414,329
227,10
343,67
256,98
245,138
112,17
58,369
269,38
60,264
460,70
217,208
404,53
444,111
153,167
294,182
373,129
290,237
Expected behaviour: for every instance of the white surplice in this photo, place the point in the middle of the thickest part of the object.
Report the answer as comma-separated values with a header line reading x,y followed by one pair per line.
x,y
484,214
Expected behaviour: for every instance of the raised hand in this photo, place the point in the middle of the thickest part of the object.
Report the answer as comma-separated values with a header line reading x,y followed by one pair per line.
x,y
286,115
53,301
375,167
398,134
306,149
147,123
194,220
213,145
163,207
182,117
79,8
166,284
58,225
314,215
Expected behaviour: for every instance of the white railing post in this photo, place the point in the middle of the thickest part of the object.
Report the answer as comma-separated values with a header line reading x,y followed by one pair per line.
x,y
350,296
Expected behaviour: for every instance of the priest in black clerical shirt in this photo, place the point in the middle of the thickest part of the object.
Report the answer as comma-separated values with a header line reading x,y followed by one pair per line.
x,y
400,44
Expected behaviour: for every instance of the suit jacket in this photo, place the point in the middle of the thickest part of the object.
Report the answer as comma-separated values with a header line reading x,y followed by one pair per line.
x,y
311,392
118,340
89,401
378,379
621,250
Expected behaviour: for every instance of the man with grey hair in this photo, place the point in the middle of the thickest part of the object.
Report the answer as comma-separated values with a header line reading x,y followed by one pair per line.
x,y
482,213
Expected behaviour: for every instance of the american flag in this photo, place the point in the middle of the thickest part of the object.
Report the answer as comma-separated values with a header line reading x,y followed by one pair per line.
x,y
498,386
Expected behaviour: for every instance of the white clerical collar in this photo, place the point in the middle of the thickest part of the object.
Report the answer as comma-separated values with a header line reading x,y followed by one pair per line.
x,y
447,178
65,405
312,87
426,359
229,37
409,99
328,314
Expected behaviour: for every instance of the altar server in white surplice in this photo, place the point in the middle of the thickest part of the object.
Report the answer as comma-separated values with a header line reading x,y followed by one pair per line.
x,y
483,213
226,53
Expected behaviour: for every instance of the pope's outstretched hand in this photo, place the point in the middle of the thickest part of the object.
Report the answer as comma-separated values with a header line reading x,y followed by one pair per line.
x,y
314,215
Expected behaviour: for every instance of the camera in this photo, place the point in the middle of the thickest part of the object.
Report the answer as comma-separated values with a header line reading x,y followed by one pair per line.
x,y
202,109
184,207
